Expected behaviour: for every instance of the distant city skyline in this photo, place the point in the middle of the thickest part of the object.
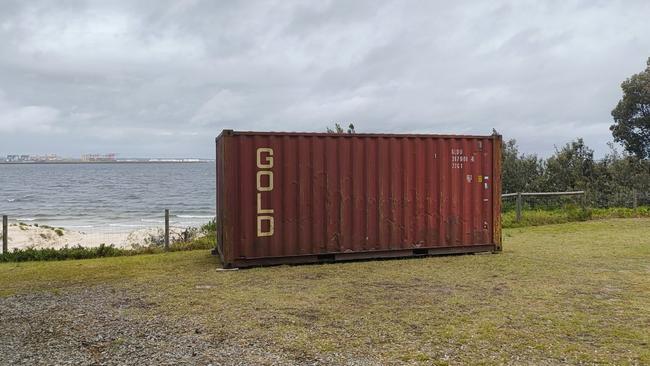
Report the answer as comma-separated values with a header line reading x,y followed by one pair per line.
x,y
84,157
164,78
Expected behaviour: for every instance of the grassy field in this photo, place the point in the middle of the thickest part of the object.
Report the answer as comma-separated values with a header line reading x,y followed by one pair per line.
x,y
568,293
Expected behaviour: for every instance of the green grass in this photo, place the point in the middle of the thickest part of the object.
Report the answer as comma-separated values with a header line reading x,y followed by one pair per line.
x,y
570,293
570,214
102,251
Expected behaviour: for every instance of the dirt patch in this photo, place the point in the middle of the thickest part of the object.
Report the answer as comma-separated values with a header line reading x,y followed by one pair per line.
x,y
103,326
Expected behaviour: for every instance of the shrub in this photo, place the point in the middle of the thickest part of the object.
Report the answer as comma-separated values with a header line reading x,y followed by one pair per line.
x,y
79,252
579,214
46,254
210,228
569,214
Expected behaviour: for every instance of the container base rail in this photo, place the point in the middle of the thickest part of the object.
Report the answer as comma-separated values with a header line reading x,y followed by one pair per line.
x,y
355,256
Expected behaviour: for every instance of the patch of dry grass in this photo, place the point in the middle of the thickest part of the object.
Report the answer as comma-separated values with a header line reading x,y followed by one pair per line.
x,y
573,293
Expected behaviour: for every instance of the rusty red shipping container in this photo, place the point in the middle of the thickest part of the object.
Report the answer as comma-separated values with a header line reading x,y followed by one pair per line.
x,y
313,197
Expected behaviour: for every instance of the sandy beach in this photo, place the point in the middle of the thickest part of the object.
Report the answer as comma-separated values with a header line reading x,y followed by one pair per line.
x,y
22,236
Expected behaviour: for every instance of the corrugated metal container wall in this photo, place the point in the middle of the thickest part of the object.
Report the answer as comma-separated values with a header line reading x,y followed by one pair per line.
x,y
310,197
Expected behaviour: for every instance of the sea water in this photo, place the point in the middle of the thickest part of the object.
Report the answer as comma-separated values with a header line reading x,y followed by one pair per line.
x,y
115,195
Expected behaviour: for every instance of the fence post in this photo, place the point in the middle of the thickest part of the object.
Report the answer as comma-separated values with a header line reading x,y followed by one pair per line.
x,y
518,207
166,229
4,234
635,202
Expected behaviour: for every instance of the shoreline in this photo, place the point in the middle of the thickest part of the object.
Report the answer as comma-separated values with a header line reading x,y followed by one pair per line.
x,y
25,236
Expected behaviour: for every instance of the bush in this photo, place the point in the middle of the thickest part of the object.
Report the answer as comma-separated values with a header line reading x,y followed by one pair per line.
x,y
569,214
579,214
187,235
79,252
210,228
621,212
534,218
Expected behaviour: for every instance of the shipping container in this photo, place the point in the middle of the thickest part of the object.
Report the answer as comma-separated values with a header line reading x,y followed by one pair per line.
x,y
318,197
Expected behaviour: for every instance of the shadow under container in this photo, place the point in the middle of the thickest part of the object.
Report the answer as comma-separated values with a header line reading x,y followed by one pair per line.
x,y
286,198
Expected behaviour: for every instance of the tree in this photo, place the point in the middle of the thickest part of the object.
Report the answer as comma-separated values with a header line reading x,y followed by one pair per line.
x,y
520,173
632,115
339,129
626,173
570,168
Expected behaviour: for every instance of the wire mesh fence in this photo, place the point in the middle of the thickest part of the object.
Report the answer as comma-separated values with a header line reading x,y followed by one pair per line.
x,y
542,200
629,198
23,233
562,201
539,208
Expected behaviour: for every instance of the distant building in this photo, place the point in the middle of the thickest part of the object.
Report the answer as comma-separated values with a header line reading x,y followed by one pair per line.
x,y
17,158
14,158
99,157
42,158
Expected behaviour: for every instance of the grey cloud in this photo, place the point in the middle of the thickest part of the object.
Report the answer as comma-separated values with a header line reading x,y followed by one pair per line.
x,y
162,78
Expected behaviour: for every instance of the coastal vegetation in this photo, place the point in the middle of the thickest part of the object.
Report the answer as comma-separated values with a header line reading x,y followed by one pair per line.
x,y
188,239
608,182
79,252
569,213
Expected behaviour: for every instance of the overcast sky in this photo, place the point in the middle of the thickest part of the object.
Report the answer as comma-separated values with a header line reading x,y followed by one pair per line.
x,y
163,78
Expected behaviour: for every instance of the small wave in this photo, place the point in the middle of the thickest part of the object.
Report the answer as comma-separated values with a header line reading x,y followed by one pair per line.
x,y
153,220
25,219
20,199
195,216
184,224
127,225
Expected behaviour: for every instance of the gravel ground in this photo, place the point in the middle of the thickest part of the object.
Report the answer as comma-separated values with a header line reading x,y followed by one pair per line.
x,y
104,326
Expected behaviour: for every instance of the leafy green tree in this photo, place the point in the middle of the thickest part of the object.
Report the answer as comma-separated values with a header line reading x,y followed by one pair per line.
x,y
570,168
339,129
600,186
520,173
628,171
632,115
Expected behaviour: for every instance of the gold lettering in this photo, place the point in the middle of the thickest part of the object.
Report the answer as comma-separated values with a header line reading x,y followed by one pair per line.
x,y
268,164
264,215
260,220
268,187
261,210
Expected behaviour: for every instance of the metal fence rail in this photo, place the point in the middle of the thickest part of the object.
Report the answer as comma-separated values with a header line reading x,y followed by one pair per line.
x,y
5,228
520,195
542,193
